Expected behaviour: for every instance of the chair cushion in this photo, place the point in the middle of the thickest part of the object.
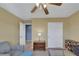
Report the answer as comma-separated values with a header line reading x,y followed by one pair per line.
x,y
16,50
4,47
17,47
76,50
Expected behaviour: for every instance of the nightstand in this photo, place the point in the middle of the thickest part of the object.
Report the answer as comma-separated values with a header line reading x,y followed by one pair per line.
x,y
39,46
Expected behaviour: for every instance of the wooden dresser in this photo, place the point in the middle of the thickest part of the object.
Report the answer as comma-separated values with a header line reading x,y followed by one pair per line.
x,y
39,46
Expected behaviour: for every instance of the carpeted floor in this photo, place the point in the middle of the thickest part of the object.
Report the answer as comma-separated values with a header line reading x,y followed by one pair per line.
x,y
49,52
40,53
53,53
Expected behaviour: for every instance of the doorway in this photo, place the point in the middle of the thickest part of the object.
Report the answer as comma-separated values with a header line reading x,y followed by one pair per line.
x,y
28,33
25,34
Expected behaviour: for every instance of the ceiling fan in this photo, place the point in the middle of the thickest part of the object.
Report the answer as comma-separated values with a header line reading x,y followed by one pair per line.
x,y
44,6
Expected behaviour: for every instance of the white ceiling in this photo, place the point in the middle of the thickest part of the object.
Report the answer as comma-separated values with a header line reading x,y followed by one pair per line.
x,y
23,10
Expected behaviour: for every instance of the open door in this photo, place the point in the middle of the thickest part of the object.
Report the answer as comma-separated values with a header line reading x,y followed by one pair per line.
x,y
22,34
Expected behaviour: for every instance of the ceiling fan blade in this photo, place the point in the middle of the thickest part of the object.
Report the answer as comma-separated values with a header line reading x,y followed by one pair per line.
x,y
58,4
45,10
34,8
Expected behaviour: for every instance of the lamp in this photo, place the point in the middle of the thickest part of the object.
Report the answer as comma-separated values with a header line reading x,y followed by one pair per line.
x,y
37,4
45,5
39,35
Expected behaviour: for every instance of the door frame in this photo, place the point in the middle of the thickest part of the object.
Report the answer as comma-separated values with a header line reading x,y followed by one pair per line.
x,y
22,33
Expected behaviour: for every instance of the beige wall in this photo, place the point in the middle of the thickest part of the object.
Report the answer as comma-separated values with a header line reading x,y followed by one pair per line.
x,y
41,25
9,27
27,21
74,27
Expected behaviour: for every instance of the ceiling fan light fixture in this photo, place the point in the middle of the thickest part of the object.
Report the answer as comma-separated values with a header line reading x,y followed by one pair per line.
x,y
37,4
45,6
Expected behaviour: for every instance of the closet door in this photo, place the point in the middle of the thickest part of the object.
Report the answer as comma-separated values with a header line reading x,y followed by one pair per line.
x,y
55,35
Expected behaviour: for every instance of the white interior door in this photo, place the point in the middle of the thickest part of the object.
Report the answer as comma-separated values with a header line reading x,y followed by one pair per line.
x,y
55,35
22,34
